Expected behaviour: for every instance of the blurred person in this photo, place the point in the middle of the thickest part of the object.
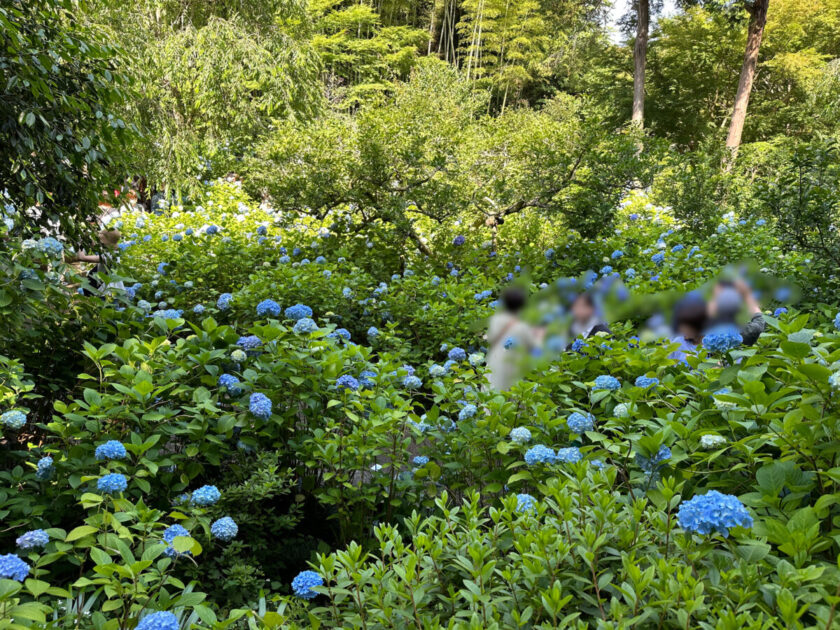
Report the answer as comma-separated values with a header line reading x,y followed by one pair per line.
x,y
690,320
508,337
96,277
729,298
585,319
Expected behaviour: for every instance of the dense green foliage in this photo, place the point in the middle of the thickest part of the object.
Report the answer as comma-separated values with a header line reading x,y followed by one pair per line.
x,y
188,449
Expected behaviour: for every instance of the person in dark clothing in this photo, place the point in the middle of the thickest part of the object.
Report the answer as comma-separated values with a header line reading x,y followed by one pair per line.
x,y
585,320
690,319
729,298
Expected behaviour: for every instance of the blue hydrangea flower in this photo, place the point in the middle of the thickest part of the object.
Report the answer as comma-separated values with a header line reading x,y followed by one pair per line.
x,y
260,406
366,378
578,345
206,495
14,419
568,455
412,382
169,535
457,354
212,229
305,325
230,383
837,321
580,422
549,253
340,333
110,450
224,529
647,381
605,270
13,568
617,254
459,240
722,338
713,512
223,303
112,483
249,342
467,411
677,248
168,313
420,460
303,583
44,469
161,268
268,307
284,260
262,230
520,435
347,382
650,465
372,332
539,454
298,312
437,371
633,217
760,222
525,503
605,381
780,311
198,309
658,258
34,539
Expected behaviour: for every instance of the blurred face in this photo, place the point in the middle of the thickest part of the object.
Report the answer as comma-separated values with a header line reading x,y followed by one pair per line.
x,y
581,310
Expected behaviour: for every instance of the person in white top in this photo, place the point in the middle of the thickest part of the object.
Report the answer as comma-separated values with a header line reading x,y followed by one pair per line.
x,y
510,340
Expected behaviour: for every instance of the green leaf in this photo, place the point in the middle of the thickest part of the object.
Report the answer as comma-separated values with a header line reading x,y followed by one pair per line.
x,y
80,532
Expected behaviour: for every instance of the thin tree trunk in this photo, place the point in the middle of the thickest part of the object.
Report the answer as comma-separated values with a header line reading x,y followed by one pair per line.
x,y
640,61
758,17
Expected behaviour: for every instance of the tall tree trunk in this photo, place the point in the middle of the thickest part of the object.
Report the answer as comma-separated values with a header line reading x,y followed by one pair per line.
x,y
758,17
640,60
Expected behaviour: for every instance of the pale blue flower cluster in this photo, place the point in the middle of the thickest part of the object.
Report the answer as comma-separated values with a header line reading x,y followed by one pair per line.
x,y
13,568
781,311
713,512
260,406
617,254
580,422
647,381
33,539
372,332
231,384
305,325
525,503
112,483
459,240
110,450
268,307
722,338
457,354
298,311
346,381
224,529
206,495
44,469
249,342
658,258
520,435
568,455
539,454
420,460
169,535
223,303
303,583
14,419
467,412
605,381
412,382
